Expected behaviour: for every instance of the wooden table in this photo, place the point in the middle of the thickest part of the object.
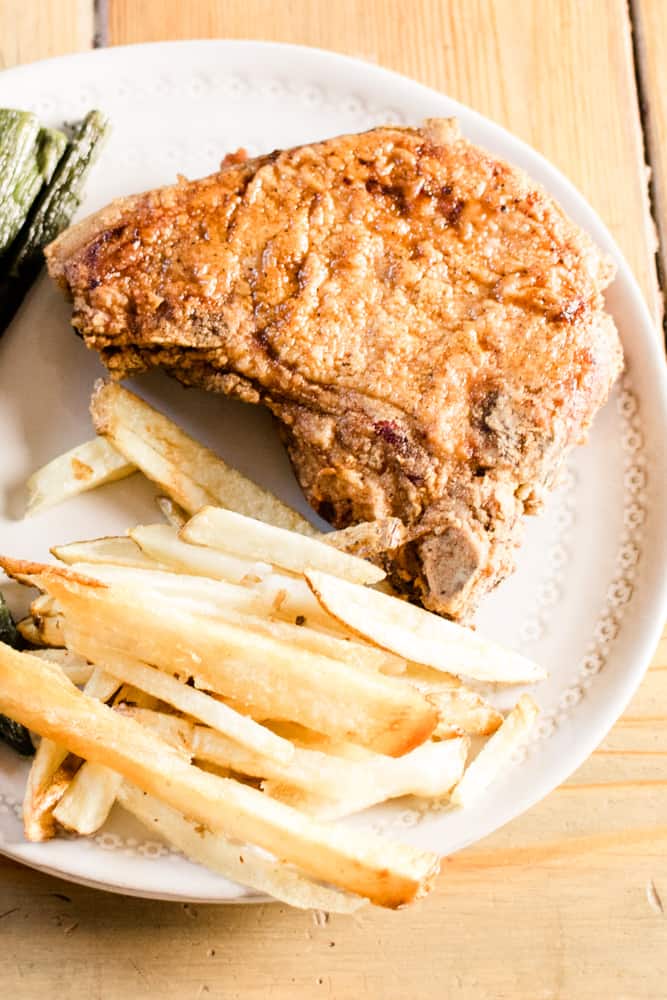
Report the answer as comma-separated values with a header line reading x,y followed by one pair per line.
x,y
567,901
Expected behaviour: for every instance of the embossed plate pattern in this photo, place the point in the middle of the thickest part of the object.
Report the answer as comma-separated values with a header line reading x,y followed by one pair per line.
x,y
588,599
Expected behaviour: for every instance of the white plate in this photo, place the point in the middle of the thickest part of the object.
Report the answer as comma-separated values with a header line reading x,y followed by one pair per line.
x,y
588,599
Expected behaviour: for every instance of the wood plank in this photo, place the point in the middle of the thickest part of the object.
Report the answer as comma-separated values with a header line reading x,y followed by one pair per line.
x,y
43,28
558,74
649,19
536,930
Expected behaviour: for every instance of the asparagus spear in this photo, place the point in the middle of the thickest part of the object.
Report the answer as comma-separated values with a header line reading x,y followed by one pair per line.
x,y
50,214
13,733
18,135
37,171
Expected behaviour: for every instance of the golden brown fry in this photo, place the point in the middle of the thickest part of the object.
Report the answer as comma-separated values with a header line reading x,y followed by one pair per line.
x,y
243,864
243,607
85,467
464,711
75,667
174,515
251,539
419,635
268,590
42,631
47,703
117,550
384,713
192,475
50,773
88,799
238,728
497,751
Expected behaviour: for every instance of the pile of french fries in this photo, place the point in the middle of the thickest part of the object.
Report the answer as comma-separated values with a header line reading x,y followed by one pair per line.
x,y
237,681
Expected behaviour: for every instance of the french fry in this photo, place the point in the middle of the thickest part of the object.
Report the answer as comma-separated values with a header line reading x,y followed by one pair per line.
x,y
461,709
101,686
27,628
42,699
241,864
91,794
173,729
115,550
85,467
384,713
464,711
428,679
88,799
496,753
310,740
174,515
243,607
73,666
417,634
248,538
191,474
44,607
214,713
342,786
288,596
430,771
52,768
42,631
50,773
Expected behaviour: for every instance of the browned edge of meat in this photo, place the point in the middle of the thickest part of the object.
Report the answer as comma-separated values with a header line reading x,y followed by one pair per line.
x,y
424,321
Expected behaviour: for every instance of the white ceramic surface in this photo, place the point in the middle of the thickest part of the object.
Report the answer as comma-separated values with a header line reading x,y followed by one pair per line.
x,y
588,599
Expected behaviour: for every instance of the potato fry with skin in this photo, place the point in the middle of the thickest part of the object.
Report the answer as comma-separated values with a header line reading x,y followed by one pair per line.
x,y
288,596
27,628
73,666
51,770
88,799
496,752
241,864
417,634
461,709
42,631
174,515
115,550
238,728
310,740
352,703
430,770
42,699
85,467
246,537
345,787
174,729
48,780
91,794
239,606
44,607
191,474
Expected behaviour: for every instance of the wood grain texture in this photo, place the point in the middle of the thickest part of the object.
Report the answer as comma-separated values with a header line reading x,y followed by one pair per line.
x,y
43,28
567,901
650,28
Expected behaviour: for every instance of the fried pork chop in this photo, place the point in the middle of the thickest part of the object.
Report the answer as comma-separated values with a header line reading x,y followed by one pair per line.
x,y
423,320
